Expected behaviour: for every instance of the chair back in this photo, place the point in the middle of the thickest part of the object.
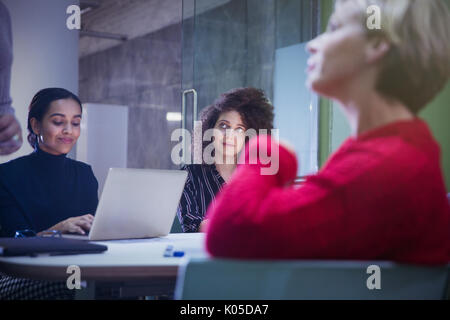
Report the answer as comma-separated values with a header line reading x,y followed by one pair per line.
x,y
217,279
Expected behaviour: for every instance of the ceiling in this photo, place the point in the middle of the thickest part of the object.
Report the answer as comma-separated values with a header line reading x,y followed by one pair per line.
x,y
107,23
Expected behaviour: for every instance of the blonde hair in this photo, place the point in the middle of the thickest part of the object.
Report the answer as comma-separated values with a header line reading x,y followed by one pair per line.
x,y
417,65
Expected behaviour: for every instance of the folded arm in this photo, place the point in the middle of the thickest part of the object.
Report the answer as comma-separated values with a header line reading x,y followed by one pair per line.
x,y
263,216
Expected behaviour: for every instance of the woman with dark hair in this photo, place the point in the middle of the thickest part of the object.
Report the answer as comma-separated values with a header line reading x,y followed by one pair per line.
x,y
45,189
381,195
233,119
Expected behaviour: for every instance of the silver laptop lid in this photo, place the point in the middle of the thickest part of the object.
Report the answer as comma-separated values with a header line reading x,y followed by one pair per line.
x,y
137,203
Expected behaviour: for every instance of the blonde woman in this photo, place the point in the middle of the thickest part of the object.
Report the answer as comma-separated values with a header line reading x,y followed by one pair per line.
x,y
381,195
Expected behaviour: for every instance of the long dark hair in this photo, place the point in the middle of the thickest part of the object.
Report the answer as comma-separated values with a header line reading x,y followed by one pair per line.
x,y
41,103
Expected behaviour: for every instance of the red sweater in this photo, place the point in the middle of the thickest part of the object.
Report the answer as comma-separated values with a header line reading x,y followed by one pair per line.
x,y
381,196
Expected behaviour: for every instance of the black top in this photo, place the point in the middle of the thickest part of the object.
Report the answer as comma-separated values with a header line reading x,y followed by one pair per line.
x,y
39,190
202,184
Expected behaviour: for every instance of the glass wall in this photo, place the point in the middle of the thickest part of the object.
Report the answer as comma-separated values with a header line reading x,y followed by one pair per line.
x,y
254,43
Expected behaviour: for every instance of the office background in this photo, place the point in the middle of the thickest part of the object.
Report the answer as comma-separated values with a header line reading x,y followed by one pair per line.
x,y
162,47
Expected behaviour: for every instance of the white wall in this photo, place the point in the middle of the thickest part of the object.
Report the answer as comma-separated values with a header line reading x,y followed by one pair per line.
x,y
45,54
103,141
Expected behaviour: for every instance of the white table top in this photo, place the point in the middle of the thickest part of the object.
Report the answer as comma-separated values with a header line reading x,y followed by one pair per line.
x,y
124,260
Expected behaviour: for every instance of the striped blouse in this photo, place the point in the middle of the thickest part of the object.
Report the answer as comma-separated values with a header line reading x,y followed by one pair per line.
x,y
202,184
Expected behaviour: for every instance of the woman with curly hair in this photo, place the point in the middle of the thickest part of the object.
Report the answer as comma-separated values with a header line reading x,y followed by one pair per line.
x,y
234,118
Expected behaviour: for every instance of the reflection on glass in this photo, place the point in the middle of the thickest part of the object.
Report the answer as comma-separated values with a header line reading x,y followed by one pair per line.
x,y
255,43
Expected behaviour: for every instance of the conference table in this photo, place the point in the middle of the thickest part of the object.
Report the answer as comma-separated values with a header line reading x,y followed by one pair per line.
x,y
129,268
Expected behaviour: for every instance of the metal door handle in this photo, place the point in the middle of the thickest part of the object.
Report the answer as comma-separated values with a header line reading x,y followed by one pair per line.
x,y
183,114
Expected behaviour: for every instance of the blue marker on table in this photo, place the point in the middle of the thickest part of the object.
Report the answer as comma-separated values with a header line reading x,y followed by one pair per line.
x,y
178,254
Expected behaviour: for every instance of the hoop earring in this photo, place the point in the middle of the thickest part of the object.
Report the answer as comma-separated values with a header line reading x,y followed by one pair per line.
x,y
37,137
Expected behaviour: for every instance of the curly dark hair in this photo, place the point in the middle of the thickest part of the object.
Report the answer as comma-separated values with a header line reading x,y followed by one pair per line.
x,y
252,105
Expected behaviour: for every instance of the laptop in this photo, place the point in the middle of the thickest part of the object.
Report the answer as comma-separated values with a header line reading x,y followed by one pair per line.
x,y
137,203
